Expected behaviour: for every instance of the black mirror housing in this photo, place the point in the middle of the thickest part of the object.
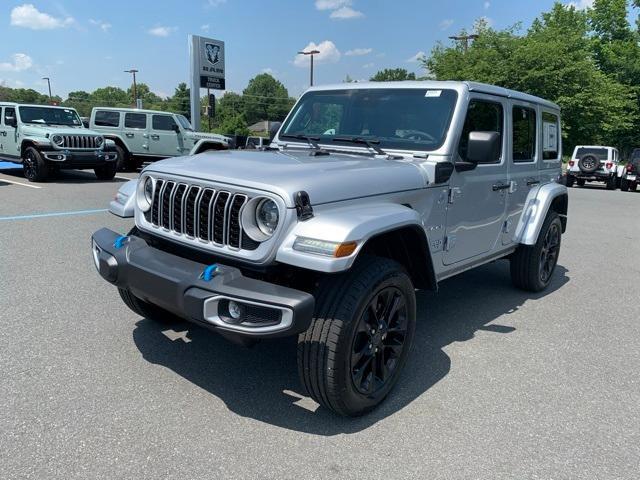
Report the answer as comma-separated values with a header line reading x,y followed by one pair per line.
x,y
176,128
483,147
11,121
273,129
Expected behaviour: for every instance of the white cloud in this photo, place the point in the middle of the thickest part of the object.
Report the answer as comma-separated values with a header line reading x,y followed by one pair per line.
x,y
332,4
487,5
20,62
205,27
346,13
329,53
445,24
104,26
368,65
28,16
357,52
581,4
417,57
161,31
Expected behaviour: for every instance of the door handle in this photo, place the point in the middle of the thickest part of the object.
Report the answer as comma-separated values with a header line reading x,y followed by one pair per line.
x,y
155,137
128,135
532,181
500,186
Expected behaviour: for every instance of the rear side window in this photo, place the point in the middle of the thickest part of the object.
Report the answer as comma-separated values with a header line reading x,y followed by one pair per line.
x,y
550,136
482,116
107,118
135,120
599,153
524,134
163,122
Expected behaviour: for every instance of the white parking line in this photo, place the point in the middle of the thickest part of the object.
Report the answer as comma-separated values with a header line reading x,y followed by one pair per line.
x,y
2,179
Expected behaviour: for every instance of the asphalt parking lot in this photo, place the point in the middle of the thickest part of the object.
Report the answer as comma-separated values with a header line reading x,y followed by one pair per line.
x,y
500,384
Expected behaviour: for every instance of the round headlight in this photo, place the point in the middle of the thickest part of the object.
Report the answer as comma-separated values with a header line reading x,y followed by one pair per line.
x,y
57,140
146,189
99,141
267,216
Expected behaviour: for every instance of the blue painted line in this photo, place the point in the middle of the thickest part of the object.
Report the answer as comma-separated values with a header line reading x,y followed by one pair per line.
x,y
54,214
10,166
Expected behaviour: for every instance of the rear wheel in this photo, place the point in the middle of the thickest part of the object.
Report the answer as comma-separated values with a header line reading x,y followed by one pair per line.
x,y
624,185
611,183
570,180
532,266
34,167
352,354
581,182
633,187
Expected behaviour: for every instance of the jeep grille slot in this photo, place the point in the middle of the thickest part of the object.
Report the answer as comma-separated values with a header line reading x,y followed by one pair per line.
x,y
202,213
79,142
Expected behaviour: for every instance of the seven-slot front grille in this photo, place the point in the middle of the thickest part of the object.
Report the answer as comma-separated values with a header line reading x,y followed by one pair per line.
x,y
198,212
79,141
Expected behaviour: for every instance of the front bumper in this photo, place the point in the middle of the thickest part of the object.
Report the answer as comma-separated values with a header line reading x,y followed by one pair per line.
x,y
80,159
180,286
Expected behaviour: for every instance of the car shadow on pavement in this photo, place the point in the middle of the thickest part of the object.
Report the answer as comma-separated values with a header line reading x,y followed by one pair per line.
x,y
262,382
65,176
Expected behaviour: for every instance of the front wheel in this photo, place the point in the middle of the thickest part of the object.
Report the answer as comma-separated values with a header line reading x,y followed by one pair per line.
x,y
106,171
34,167
532,266
352,354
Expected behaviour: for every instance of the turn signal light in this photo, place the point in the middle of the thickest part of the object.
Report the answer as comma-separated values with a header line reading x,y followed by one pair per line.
x,y
571,163
629,167
609,165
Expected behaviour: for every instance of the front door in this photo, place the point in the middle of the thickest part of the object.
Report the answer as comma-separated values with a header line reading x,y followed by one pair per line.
x,y
163,139
477,199
136,132
9,135
523,158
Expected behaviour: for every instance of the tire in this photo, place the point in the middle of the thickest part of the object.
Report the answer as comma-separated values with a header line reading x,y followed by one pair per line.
x,y
527,261
106,171
123,162
344,321
570,180
588,163
581,182
634,186
146,309
611,183
34,167
624,185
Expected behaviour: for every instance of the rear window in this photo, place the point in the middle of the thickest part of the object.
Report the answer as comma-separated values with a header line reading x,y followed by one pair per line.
x,y
135,120
599,153
106,118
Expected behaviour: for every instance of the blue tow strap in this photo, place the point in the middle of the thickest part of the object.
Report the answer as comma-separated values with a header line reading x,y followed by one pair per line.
x,y
209,272
120,241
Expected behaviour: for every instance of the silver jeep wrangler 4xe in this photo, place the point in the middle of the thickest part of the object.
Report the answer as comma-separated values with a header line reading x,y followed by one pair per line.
x,y
368,192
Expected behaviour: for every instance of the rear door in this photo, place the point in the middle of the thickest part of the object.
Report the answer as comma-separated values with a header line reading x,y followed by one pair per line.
x,y
523,155
163,139
136,132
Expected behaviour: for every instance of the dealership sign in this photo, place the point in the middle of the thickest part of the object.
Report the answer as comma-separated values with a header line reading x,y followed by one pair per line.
x,y
207,70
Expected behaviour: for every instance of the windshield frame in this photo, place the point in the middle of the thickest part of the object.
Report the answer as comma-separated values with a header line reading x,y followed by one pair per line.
x,y
328,140
22,108
184,123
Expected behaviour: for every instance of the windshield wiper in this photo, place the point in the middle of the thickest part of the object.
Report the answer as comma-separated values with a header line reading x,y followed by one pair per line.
x,y
372,143
312,141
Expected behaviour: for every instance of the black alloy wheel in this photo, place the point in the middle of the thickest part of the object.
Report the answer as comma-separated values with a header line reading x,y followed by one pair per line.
x,y
549,252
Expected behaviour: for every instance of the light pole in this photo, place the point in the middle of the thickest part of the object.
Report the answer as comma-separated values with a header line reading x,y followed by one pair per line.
x,y
311,53
49,84
135,87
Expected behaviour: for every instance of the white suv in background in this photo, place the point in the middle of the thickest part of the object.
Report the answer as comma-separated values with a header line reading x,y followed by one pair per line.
x,y
593,164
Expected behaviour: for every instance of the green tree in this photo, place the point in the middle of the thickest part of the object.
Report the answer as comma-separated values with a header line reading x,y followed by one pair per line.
x,y
110,97
181,100
149,99
265,98
393,75
234,124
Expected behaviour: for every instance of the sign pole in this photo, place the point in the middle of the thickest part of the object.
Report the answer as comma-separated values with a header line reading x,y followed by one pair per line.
x,y
195,82
209,116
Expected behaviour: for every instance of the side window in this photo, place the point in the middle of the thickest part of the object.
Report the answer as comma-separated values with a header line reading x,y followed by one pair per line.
x,y
8,113
107,118
550,136
135,120
482,116
524,134
163,122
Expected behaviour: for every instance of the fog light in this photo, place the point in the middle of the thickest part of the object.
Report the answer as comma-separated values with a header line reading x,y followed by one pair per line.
x,y
235,310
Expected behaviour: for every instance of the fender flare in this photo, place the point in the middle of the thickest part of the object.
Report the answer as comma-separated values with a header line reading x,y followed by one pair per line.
x,y
539,201
356,223
197,148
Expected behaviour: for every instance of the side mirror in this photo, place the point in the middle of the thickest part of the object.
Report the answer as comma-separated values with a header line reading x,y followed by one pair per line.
x,y
176,128
273,130
11,121
483,147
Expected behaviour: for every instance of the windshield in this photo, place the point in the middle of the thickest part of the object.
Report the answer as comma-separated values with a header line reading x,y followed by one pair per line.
x,y
402,119
184,123
50,116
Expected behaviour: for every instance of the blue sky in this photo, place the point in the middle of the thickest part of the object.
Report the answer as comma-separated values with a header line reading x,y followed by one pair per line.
x,y
84,45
